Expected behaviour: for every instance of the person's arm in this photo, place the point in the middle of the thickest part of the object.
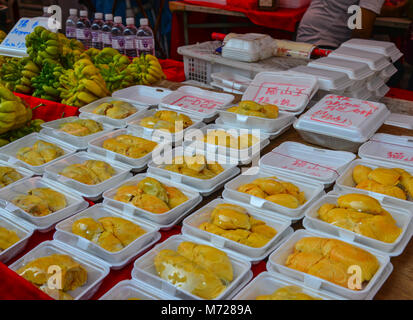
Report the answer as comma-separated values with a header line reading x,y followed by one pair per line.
x,y
368,20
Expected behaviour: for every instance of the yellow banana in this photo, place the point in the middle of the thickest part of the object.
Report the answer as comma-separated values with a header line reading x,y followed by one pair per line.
x,y
86,97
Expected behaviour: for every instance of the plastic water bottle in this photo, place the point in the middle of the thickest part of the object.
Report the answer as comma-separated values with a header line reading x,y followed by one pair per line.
x,y
145,42
118,41
96,29
130,38
83,33
107,31
71,24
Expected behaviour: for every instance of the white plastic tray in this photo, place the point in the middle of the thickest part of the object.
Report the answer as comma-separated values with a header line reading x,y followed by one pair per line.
x,y
342,123
23,229
23,171
401,215
46,223
96,269
145,270
163,221
267,283
203,104
117,260
291,92
87,112
346,182
194,140
385,48
376,61
91,192
204,187
142,95
322,165
136,165
159,135
52,129
311,188
134,289
276,263
191,224
388,147
8,152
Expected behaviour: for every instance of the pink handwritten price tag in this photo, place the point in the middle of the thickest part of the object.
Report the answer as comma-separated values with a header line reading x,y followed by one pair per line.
x,y
284,95
343,111
197,104
401,156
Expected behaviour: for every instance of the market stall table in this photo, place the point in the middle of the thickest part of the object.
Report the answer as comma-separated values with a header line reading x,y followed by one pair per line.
x,y
398,286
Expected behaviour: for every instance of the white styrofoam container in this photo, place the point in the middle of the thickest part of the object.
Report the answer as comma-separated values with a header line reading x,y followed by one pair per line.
x,y
249,47
145,270
142,95
52,129
192,222
134,289
312,189
231,80
400,120
45,223
387,73
346,182
271,135
91,192
164,221
96,268
8,152
375,84
23,229
251,122
96,146
402,216
194,140
293,3
86,112
354,69
325,166
376,61
117,260
343,123
361,93
204,187
388,147
291,92
203,104
276,263
385,48
23,171
266,283
160,135
328,80
382,91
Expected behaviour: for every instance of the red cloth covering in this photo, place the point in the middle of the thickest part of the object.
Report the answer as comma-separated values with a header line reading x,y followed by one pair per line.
x,y
174,70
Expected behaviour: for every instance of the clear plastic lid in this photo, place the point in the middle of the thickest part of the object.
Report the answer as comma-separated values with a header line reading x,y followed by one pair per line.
x,y
289,91
327,79
388,147
202,103
354,69
376,61
385,48
345,118
319,164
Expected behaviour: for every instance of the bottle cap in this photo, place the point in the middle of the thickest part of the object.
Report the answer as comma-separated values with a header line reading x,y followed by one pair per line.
x,y
83,13
130,21
144,22
73,12
45,9
118,19
99,15
108,17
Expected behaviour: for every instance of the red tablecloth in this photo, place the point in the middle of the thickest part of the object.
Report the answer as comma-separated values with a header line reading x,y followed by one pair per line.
x,y
14,287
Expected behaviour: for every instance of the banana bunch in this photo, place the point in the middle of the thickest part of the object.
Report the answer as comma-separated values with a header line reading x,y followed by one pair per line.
x,y
47,82
43,45
146,70
17,74
82,85
3,36
13,135
72,51
14,113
